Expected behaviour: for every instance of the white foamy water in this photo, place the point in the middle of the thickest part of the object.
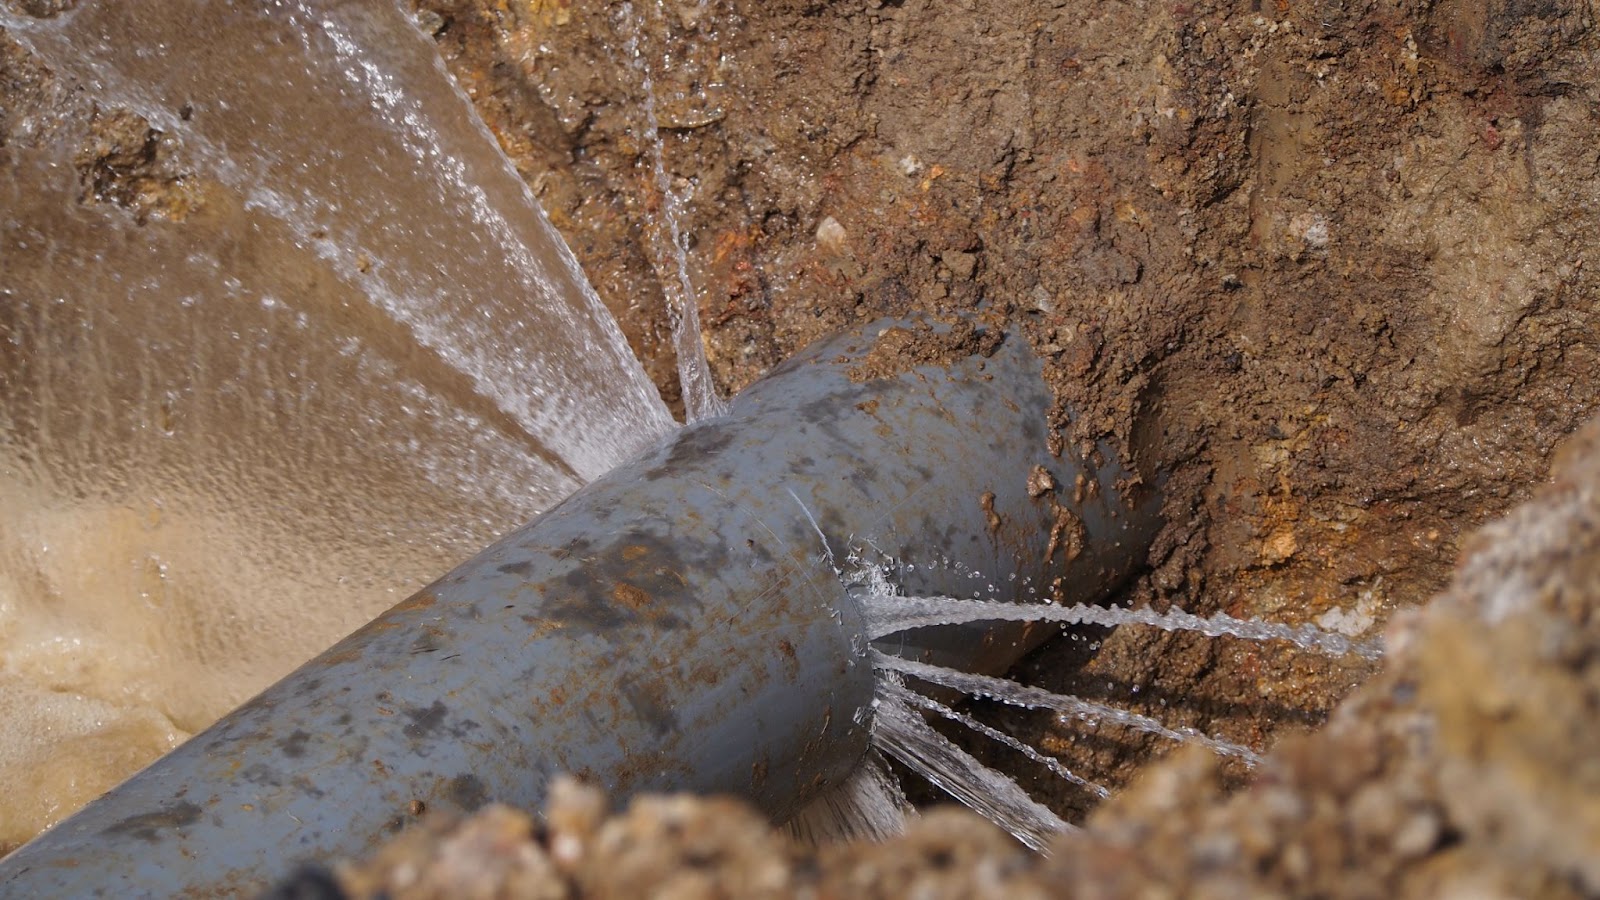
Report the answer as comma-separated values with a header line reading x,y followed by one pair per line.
x,y
868,805
349,353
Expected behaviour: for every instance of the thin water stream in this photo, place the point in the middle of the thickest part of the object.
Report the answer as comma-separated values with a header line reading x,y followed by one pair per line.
x,y
668,250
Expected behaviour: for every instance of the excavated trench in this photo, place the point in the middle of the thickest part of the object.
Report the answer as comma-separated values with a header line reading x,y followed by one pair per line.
x,y
1327,261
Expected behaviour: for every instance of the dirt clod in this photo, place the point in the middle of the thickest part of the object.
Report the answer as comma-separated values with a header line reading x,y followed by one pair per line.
x,y
901,349
124,162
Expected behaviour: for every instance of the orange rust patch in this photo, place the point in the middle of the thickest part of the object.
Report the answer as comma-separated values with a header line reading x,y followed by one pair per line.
x,y
419,600
705,673
540,628
791,660
336,657
630,596
633,552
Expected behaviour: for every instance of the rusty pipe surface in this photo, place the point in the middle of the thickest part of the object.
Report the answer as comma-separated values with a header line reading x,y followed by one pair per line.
x,y
690,621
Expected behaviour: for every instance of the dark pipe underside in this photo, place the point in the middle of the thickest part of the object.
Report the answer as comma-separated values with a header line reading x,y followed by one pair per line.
x,y
686,622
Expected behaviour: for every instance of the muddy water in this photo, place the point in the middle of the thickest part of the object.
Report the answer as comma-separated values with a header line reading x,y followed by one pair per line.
x,y
285,337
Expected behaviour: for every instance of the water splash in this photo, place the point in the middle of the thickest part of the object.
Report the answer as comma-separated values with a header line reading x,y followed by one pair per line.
x,y
894,688
874,578
901,732
868,805
384,182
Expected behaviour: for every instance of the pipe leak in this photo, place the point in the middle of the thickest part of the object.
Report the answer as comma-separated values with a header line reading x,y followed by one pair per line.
x,y
691,621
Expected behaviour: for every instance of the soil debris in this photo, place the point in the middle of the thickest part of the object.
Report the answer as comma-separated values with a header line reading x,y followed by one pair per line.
x,y
901,349
127,163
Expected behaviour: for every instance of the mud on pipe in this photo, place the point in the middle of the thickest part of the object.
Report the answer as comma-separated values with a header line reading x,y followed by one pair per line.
x,y
689,622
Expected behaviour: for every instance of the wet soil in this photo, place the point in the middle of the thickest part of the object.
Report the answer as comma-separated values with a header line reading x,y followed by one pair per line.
x,y
1322,264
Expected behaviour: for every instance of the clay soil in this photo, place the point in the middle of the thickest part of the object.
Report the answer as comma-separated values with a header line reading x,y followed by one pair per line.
x,y
1322,264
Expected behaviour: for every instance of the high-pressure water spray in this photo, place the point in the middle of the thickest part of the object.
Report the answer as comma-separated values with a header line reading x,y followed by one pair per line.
x,y
686,622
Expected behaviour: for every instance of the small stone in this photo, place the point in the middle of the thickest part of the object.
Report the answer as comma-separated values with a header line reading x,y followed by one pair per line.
x,y
831,236
1281,805
1296,861
1417,836
1279,546
430,22
689,14
574,816
1311,229
1217,849
1042,301
1374,811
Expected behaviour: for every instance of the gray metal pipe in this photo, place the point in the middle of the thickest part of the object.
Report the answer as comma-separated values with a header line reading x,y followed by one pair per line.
x,y
687,622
